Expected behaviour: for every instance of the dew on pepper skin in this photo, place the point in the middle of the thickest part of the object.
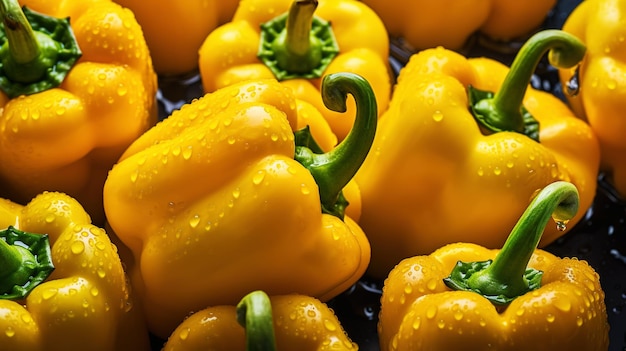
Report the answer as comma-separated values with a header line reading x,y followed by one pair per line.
x,y
329,325
258,177
563,304
77,247
431,312
184,334
9,332
49,293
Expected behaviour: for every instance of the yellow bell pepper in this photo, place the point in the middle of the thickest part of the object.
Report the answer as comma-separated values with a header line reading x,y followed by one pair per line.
x,y
174,30
455,163
63,133
466,297
298,42
427,24
259,322
600,93
86,300
220,195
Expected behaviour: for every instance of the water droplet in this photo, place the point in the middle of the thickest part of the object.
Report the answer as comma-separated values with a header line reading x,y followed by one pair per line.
x,y
416,323
258,177
101,272
134,175
122,90
49,293
184,334
194,221
550,317
561,225
94,291
305,190
458,315
187,153
77,247
9,332
437,116
329,325
432,284
26,318
480,172
572,87
431,312
236,193
50,218
563,304
497,171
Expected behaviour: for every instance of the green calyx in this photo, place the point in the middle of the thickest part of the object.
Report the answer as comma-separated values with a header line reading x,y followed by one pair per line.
x,y
297,44
507,276
333,170
503,111
36,51
254,313
25,262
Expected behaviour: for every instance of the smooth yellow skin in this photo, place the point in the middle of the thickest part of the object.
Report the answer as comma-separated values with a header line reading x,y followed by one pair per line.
x,y
66,139
426,24
228,55
174,30
601,100
213,205
433,178
86,300
300,323
418,311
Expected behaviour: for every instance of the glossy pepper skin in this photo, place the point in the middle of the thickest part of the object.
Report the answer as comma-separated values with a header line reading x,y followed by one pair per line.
x,y
437,171
174,30
564,310
229,53
425,24
67,138
600,97
299,322
86,300
213,197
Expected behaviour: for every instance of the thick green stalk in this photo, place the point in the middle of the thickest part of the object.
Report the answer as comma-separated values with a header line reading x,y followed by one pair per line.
x,y
25,262
297,44
504,111
333,170
508,276
254,313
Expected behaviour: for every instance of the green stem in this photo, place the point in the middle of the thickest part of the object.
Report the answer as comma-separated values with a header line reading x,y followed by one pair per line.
x,y
297,50
36,51
333,170
508,276
504,112
297,44
25,262
254,313
25,62
15,265
19,32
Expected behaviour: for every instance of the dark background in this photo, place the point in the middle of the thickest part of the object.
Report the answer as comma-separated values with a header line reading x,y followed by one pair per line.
x,y
600,238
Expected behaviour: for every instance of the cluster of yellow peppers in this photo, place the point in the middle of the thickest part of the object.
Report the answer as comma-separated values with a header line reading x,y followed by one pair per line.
x,y
305,166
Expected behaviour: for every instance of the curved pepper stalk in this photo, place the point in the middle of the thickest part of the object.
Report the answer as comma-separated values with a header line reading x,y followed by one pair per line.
x,y
297,44
25,262
503,111
507,276
36,51
254,313
333,170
